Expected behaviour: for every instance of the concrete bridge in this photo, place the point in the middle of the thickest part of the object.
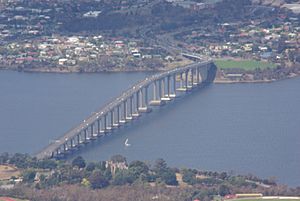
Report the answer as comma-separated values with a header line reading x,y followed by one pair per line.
x,y
155,90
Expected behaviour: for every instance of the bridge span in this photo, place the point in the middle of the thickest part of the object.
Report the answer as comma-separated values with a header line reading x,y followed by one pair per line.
x,y
155,90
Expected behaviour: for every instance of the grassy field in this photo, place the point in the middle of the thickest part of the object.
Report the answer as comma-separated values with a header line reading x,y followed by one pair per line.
x,y
243,64
6,172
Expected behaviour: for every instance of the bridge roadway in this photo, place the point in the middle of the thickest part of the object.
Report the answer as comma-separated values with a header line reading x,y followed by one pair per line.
x,y
56,146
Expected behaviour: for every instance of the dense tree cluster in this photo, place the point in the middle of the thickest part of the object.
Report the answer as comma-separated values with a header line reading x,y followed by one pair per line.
x,y
26,161
42,179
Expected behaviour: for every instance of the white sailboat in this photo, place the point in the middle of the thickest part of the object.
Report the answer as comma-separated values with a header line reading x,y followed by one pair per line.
x,y
126,143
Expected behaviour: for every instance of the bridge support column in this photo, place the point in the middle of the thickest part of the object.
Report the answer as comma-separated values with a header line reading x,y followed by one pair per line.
x,y
183,83
168,85
124,116
65,147
137,104
98,127
85,136
204,73
118,114
72,145
144,100
161,88
186,80
92,131
181,80
125,109
158,93
192,78
167,96
112,119
146,96
198,76
78,139
115,121
129,115
155,91
105,123
173,95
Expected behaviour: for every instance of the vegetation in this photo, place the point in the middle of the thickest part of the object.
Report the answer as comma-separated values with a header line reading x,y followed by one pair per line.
x,y
78,162
49,180
243,64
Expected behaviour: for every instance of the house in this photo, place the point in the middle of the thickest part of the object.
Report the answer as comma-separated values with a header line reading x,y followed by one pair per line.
x,y
62,61
116,165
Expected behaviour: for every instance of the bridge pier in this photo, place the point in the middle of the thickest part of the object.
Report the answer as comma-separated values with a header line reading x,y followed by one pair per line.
x,y
173,95
144,100
124,115
86,138
93,134
166,97
198,75
115,117
157,94
105,130
129,109
71,143
136,113
78,139
183,82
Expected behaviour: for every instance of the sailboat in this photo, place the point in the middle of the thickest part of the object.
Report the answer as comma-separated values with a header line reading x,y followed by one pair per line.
x,y
126,143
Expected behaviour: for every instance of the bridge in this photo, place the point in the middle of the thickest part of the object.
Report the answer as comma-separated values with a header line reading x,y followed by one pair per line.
x,y
155,90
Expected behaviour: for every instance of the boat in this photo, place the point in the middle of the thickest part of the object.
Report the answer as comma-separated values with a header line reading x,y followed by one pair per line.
x,y
126,143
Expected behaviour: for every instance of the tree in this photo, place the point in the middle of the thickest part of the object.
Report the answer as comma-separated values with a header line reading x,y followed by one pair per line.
x,y
21,160
28,175
123,177
47,164
79,162
223,175
169,177
85,182
189,176
138,168
118,158
224,190
90,167
4,158
159,165
97,180
107,174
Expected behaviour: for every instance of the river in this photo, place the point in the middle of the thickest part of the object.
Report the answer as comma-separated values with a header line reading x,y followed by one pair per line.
x,y
247,128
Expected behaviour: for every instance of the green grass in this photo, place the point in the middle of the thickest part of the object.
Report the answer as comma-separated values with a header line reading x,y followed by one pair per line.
x,y
244,64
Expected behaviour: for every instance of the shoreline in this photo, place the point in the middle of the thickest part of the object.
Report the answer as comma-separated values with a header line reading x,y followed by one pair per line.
x,y
216,81
223,81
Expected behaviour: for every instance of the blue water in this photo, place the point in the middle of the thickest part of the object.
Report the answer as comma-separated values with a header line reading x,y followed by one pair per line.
x,y
247,128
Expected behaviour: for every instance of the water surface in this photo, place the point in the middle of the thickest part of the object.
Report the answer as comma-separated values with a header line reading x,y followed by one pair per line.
x,y
248,128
